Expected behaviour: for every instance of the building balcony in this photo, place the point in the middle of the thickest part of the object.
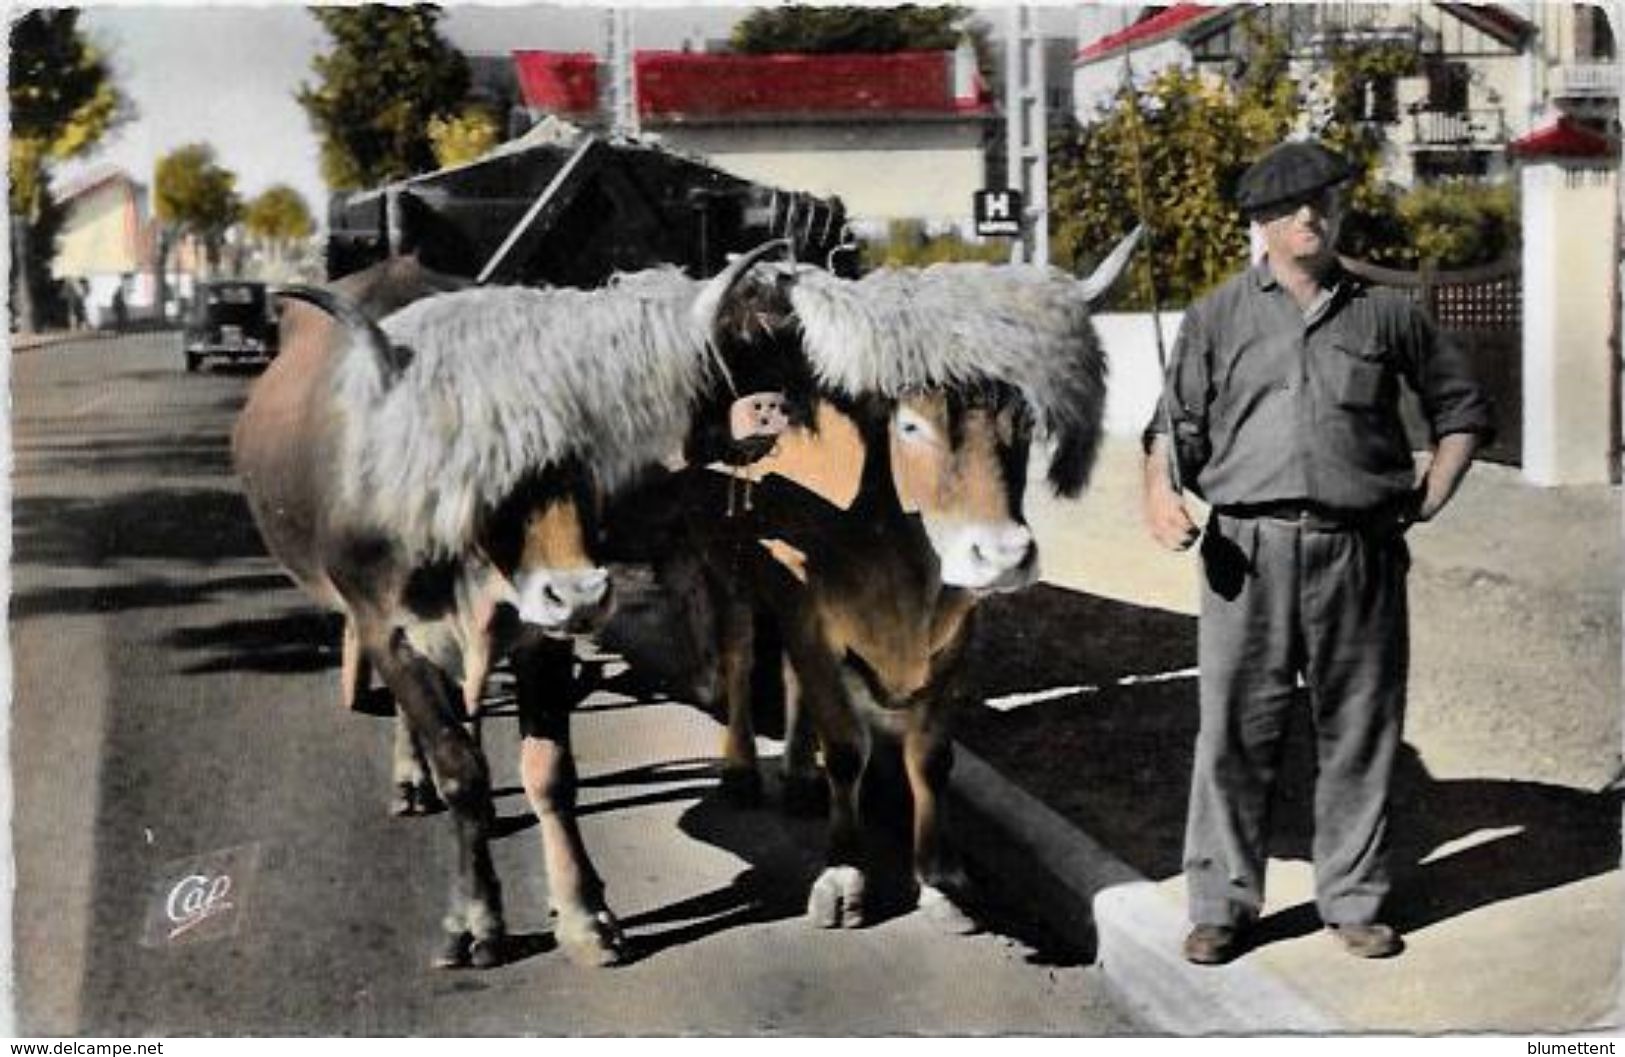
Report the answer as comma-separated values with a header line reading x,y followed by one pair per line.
x,y
1434,129
1587,80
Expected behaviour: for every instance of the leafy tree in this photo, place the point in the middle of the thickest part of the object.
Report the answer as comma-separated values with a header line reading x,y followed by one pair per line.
x,y
1455,225
388,76
1187,139
464,137
193,195
279,219
803,28
1182,143
63,101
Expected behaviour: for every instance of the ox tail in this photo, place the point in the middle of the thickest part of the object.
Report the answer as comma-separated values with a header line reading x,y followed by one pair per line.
x,y
363,329
1110,269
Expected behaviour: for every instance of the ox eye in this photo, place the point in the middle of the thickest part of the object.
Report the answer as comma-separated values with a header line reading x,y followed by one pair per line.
x,y
912,427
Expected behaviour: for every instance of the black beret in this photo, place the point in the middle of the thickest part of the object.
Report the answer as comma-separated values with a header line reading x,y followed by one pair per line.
x,y
1290,171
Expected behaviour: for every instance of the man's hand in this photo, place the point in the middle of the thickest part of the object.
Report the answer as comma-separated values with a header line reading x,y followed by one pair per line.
x,y
1165,514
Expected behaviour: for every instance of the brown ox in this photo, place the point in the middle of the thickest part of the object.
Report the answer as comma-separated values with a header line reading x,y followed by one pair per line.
x,y
435,479
871,530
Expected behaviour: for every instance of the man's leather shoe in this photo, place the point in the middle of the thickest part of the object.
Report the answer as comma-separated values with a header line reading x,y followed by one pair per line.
x,y
1214,944
1368,941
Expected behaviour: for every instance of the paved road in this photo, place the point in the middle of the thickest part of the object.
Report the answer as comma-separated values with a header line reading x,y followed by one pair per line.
x,y
174,715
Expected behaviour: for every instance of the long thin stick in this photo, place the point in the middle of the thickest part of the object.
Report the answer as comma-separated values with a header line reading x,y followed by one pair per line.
x,y
1144,209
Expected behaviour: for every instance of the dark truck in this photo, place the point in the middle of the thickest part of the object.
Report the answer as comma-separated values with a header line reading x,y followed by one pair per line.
x,y
230,318
566,208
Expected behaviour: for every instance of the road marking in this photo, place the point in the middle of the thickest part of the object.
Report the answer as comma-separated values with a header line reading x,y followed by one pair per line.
x,y
1010,702
90,405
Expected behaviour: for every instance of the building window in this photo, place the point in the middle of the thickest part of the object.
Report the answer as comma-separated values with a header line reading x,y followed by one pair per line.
x,y
1448,84
1593,36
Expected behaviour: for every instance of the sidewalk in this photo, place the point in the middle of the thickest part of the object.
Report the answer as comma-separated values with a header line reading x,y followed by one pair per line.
x,y
1510,892
44,339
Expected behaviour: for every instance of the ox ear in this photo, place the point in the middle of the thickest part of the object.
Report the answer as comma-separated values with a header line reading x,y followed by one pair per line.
x,y
1108,271
708,304
1073,459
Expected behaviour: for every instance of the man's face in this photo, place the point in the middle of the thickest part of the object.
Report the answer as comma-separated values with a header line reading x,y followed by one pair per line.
x,y
1303,228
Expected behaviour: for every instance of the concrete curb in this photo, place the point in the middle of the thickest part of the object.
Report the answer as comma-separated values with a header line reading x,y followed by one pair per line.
x,y
1099,902
47,339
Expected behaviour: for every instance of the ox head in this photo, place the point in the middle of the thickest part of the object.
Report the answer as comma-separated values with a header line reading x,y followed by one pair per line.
x,y
767,383
959,461
543,541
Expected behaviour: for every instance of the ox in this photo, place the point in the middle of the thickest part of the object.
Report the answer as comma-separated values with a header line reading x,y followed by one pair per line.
x,y
882,516
435,478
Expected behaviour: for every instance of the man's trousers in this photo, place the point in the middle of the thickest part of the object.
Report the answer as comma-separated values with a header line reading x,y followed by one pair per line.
x,y
1284,601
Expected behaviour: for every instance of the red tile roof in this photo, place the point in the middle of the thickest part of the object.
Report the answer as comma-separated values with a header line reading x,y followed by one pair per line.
x,y
688,86
1562,137
1147,31
559,82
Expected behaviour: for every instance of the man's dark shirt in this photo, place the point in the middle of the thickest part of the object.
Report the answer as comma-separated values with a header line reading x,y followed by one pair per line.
x,y
1296,406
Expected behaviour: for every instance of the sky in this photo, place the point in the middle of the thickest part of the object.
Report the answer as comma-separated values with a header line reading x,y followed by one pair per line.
x,y
225,75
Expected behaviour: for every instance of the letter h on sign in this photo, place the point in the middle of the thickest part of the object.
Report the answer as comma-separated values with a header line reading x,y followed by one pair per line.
x,y
997,212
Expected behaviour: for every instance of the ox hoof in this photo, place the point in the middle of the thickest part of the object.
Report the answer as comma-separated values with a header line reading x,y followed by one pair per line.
x,y
837,899
805,796
592,941
461,950
742,786
415,798
944,913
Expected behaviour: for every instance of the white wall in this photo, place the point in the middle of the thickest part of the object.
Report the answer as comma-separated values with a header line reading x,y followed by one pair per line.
x,y
1135,379
894,171
1568,260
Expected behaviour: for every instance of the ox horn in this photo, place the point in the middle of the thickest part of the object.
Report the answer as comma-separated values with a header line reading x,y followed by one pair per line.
x,y
1109,269
348,313
709,302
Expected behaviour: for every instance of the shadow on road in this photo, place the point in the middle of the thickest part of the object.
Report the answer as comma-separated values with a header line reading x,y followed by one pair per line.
x,y
1111,751
195,525
143,594
296,641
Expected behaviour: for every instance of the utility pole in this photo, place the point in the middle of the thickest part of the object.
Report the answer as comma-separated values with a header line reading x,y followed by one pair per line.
x,y
620,94
1027,133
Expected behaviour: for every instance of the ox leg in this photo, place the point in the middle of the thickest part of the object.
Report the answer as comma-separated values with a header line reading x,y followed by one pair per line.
x,y
741,781
474,925
928,760
415,793
804,789
837,899
355,671
584,926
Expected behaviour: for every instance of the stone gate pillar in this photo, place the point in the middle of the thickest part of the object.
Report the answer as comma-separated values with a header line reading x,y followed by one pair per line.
x,y
1569,197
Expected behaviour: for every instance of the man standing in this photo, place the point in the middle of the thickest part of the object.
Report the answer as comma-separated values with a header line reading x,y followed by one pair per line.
x,y
1283,402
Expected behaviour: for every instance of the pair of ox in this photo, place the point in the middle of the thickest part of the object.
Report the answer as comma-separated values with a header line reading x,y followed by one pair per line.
x,y
437,478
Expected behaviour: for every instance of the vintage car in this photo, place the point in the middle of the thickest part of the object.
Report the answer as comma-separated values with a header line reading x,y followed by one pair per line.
x,y
234,319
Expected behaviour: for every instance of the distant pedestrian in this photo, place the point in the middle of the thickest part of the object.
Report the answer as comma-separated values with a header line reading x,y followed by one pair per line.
x,y
1283,402
121,312
74,296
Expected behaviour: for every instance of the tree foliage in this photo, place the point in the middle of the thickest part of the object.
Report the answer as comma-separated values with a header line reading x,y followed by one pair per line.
x,y
389,75
1182,143
805,28
278,217
465,136
193,194
1187,138
62,102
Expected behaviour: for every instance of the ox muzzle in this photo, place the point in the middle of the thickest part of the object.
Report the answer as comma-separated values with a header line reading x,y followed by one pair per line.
x,y
986,557
564,601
